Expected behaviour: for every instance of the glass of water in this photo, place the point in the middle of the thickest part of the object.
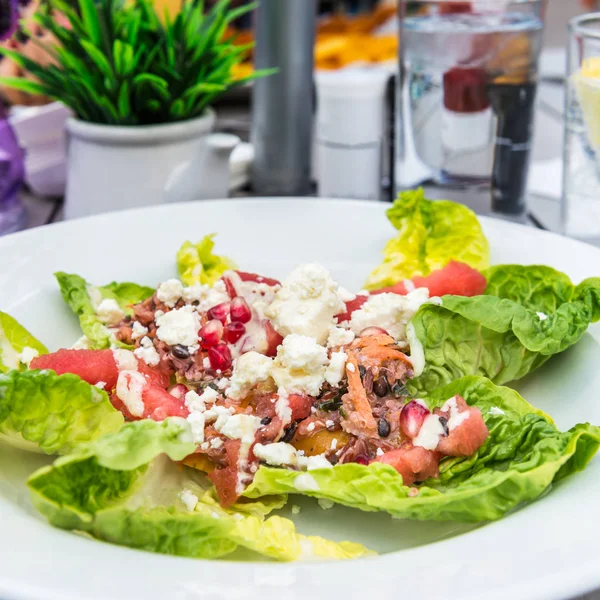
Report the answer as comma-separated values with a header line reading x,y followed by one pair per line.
x,y
467,86
581,180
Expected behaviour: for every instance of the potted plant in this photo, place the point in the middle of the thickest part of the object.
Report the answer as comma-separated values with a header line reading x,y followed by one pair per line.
x,y
140,87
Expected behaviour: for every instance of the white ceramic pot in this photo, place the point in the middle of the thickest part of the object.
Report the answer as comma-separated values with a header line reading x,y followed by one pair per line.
x,y
114,168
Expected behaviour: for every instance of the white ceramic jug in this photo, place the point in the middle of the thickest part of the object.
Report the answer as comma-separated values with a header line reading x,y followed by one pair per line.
x,y
114,168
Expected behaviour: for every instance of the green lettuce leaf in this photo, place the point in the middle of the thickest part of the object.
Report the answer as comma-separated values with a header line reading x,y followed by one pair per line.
x,y
14,338
83,299
125,489
44,412
528,314
430,235
518,463
196,263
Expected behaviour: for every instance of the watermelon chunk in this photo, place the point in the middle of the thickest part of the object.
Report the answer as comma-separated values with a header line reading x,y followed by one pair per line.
x,y
412,462
456,279
92,366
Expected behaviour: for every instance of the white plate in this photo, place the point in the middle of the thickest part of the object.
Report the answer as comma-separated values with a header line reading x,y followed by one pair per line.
x,y
548,549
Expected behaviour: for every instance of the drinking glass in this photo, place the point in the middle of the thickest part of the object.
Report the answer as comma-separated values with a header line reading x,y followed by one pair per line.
x,y
581,178
467,86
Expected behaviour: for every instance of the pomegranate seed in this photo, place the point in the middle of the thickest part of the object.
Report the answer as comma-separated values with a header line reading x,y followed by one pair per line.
x,y
178,391
220,357
219,312
411,418
233,332
362,459
211,333
372,331
240,311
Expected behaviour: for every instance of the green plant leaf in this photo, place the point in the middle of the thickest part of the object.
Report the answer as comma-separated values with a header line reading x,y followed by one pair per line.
x,y
99,59
89,17
24,85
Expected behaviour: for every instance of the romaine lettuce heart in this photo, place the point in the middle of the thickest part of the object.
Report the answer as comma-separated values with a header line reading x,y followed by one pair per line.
x,y
76,293
125,489
197,263
430,235
14,338
44,412
518,463
528,314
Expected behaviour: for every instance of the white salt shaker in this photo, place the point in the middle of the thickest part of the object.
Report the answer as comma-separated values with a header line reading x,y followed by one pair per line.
x,y
349,132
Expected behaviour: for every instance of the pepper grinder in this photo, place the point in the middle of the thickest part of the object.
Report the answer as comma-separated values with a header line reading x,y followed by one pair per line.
x,y
282,107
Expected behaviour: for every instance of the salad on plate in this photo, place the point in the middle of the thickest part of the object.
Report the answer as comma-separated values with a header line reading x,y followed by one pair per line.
x,y
188,413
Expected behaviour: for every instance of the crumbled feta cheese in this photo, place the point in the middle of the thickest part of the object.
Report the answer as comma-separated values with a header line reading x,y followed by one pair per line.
x,y
211,296
179,326
206,362
101,385
350,367
170,292
197,422
542,316
456,417
310,427
27,355
296,509
223,384
158,313
189,499
314,462
306,483
138,330
379,452
391,312
216,443
345,295
240,427
197,402
194,293
334,444
250,368
338,336
300,365
83,343
336,369
430,433
109,312
204,446
277,455
125,360
307,303
329,424
325,503
496,411
148,353
219,414
282,407
130,386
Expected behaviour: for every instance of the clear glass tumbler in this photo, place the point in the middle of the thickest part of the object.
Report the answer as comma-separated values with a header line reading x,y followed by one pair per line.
x,y
581,179
467,86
